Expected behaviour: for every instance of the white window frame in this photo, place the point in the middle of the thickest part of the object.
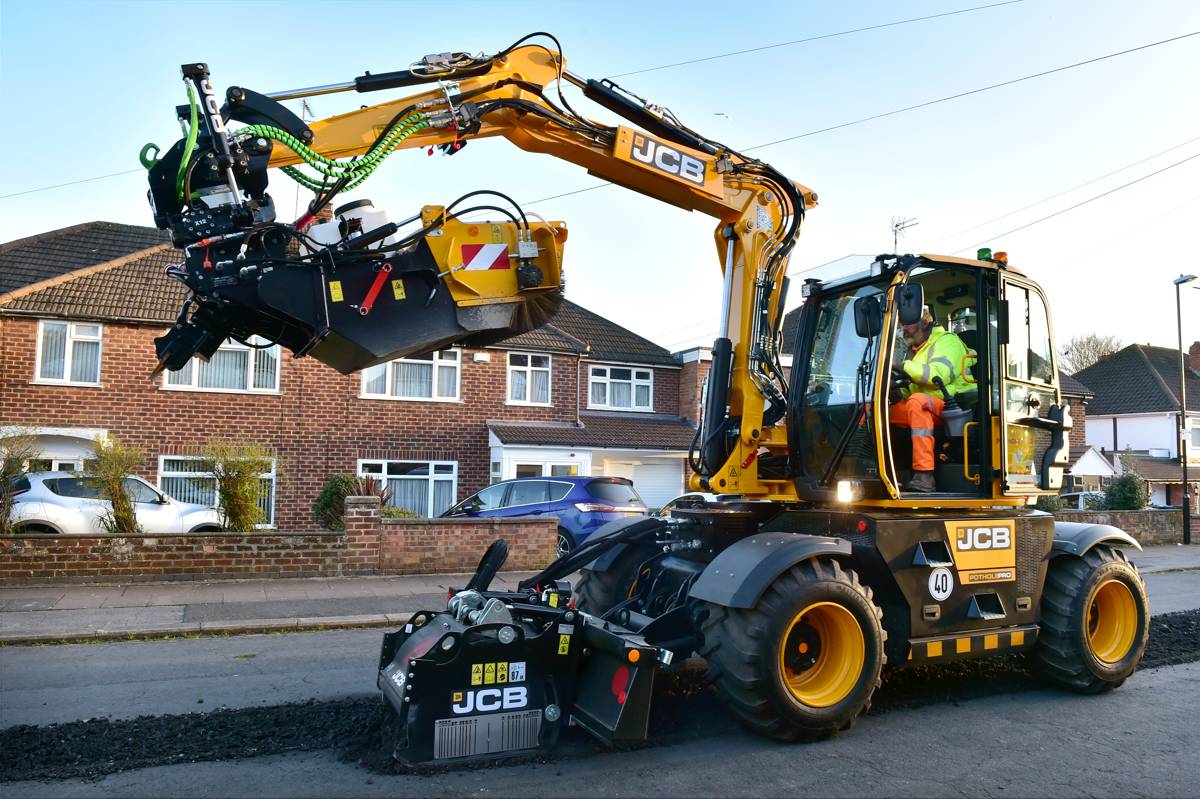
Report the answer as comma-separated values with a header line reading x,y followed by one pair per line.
x,y
634,382
162,472
529,370
251,363
431,478
437,361
66,380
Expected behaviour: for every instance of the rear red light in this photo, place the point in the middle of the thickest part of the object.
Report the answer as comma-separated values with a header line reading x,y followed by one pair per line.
x,y
593,507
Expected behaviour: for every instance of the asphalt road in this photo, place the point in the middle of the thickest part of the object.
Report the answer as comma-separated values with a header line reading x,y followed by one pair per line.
x,y
50,684
1138,741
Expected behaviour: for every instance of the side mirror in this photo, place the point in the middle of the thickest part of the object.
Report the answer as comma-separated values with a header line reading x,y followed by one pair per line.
x,y
162,500
468,507
910,301
868,316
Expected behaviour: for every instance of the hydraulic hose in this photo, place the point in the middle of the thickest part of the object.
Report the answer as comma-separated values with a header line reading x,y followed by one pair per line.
x,y
355,171
190,145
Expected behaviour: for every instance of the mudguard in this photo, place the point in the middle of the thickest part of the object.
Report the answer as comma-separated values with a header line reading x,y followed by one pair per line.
x,y
1076,538
739,575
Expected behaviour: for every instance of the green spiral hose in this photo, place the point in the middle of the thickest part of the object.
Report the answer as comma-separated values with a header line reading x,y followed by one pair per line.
x,y
355,171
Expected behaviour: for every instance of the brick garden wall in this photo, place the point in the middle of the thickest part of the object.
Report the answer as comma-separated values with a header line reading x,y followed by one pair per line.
x,y
369,545
1149,527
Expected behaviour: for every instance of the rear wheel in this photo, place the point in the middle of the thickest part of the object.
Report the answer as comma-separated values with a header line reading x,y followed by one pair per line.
x,y
804,662
597,592
1095,621
565,543
34,528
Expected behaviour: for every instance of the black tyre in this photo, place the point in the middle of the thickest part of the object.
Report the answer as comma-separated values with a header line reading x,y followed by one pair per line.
x,y
34,528
596,592
1095,621
804,662
565,543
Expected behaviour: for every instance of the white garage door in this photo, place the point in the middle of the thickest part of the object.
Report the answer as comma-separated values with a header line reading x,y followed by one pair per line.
x,y
658,481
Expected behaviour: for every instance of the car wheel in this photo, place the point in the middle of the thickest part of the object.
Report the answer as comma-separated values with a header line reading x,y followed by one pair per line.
x,y
565,543
34,528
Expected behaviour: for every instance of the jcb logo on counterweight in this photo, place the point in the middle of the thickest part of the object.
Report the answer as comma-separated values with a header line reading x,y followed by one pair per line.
x,y
983,550
982,538
666,158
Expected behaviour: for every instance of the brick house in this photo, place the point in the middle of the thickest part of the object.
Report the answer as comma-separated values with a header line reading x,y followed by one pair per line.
x,y
80,308
1135,414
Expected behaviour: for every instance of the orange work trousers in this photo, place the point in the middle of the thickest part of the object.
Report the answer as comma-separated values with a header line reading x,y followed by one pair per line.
x,y
920,413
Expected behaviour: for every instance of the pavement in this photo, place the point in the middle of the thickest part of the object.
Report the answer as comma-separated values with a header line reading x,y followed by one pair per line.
x,y
33,614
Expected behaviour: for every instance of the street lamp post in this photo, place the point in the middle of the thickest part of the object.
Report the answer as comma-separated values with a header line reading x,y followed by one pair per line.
x,y
1187,497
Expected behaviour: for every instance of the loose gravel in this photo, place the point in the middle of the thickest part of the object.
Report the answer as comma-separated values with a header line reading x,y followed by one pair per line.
x,y
685,708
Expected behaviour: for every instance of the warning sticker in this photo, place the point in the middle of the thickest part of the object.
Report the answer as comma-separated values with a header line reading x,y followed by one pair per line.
x,y
502,672
335,291
489,673
564,644
476,674
398,289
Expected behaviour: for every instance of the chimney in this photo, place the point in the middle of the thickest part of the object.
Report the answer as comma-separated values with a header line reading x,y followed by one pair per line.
x,y
1193,357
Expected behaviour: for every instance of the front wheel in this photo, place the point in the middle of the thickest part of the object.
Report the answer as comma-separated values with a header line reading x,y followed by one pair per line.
x,y
1095,621
804,662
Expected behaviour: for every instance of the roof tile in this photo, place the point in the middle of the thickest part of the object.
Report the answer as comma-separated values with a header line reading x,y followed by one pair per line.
x,y
57,252
613,431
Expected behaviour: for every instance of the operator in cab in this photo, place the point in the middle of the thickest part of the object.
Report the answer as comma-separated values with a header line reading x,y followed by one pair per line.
x,y
932,352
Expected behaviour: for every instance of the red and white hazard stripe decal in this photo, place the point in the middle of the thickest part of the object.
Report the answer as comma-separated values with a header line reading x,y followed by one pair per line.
x,y
485,256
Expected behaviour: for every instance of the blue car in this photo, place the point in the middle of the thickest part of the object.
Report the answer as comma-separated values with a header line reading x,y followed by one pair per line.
x,y
582,504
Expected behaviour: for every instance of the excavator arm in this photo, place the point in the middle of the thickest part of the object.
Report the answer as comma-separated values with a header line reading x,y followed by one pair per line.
x,y
360,290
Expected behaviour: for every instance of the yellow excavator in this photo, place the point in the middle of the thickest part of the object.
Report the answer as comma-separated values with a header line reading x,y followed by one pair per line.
x,y
824,557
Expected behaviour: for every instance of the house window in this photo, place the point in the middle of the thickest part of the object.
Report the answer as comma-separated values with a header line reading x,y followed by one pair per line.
x,y
621,387
184,478
233,367
68,353
528,379
418,377
426,488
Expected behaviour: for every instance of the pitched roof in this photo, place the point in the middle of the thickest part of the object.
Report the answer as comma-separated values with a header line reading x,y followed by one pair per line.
x,y
1072,387
609,341
547,338
134,288
57,252
1154,470
605,431
1139,379
124,281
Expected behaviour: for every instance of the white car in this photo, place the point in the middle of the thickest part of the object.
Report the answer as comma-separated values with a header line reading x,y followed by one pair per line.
x,y
63,503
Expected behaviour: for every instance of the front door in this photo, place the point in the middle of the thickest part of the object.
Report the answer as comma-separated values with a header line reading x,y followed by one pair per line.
x,y
1032,439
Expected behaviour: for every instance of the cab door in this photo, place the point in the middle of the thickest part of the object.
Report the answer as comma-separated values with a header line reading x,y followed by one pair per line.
x,y
1034,422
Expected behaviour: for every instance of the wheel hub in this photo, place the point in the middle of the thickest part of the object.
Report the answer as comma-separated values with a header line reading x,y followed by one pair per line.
x,y
822,655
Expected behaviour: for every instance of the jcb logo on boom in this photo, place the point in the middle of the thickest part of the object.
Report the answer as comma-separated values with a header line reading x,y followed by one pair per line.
x,y
666,158
973,538
485,700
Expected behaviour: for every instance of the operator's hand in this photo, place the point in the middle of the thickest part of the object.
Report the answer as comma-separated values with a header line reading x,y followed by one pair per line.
x,y
912,371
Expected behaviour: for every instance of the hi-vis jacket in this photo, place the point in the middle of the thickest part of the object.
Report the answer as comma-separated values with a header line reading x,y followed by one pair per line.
x,y
942,355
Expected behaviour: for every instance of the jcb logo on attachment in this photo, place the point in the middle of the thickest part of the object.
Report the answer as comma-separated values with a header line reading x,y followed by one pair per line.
x,y
486,700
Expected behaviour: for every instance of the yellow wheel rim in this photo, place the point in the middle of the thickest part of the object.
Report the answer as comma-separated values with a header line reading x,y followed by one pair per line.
x,y
822,654
1112,621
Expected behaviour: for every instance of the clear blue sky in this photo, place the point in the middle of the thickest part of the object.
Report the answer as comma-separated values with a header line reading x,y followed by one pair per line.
x,y
83,85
